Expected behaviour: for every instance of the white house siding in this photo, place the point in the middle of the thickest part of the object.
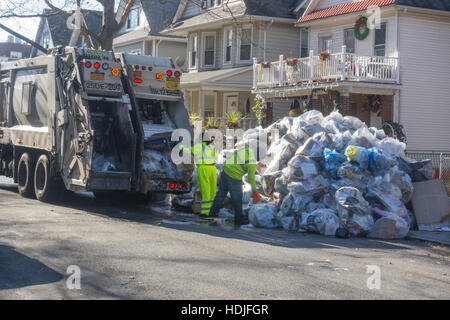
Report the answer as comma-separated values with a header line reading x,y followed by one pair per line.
x,y
131,47
192,9
364,47
425,77
281,39
173,50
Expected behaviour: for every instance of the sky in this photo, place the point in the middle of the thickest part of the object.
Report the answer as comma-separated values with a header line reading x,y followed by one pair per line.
x,y
28,26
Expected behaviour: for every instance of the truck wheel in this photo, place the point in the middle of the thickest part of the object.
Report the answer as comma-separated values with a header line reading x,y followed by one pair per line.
x,y
44,183
25,176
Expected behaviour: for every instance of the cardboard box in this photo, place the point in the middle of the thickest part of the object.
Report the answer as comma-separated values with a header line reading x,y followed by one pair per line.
x,y
430,203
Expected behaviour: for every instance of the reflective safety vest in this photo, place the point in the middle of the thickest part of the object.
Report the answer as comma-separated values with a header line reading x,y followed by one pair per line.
x,y
242,162
204,154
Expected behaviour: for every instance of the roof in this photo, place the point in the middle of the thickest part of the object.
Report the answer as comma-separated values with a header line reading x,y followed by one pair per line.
x,y
345,9
159,13
363,5
7,47
211,76
269,8
272,8
428,4
132,36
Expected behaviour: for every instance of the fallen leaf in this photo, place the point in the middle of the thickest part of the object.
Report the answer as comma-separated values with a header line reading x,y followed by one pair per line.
x,y
131,277
410,275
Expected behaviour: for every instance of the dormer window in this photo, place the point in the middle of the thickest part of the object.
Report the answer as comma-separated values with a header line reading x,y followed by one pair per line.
x,y
210,4
46,40
134,18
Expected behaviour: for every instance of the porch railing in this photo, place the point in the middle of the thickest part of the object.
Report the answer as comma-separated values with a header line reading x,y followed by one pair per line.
x,y
245,124
335,67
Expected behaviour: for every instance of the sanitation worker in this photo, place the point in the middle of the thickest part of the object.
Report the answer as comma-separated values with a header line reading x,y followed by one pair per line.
x,y
205,159
242,162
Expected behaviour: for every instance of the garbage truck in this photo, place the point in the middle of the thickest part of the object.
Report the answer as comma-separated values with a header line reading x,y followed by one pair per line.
x,y
75,119
155,87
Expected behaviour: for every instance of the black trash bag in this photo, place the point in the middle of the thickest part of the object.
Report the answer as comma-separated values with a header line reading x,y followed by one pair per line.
x,y
418,170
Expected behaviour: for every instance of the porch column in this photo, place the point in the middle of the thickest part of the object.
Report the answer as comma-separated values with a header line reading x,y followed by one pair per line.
x,y
396,108
268,120
315,102
345,103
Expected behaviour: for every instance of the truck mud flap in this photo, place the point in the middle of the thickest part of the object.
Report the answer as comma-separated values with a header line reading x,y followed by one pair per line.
x,y
106,181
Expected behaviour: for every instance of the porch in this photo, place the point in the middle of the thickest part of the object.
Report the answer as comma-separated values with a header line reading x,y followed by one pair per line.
x,y
324,70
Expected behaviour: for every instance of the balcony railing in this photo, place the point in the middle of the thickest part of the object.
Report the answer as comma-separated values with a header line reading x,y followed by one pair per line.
x,y
315,70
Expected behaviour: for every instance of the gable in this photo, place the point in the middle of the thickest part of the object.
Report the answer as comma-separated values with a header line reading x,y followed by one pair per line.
x,y
159,14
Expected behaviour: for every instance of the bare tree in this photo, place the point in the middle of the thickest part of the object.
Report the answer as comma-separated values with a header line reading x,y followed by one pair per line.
x,y
112,20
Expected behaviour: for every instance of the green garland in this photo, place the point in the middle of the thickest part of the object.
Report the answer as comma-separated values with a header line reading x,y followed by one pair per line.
x,y
358,35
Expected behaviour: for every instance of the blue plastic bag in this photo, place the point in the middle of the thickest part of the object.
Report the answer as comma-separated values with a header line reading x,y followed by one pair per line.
x,y
359,155
332,161
378,163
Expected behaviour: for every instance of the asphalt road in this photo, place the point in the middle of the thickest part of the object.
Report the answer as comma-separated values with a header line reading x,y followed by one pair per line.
x,y
131,252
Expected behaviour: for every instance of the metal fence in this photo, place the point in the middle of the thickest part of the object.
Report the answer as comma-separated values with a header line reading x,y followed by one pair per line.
x,y
440,162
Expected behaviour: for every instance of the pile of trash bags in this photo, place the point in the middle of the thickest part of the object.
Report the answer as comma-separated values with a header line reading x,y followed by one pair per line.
x,y
332,175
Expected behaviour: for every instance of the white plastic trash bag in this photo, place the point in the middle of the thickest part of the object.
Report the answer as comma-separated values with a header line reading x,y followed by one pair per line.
x,y
263,216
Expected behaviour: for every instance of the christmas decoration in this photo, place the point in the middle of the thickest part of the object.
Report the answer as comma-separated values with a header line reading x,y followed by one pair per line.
x,y
361,28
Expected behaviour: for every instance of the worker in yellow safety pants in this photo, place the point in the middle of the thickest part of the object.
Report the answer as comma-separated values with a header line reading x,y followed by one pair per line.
x,y
205,159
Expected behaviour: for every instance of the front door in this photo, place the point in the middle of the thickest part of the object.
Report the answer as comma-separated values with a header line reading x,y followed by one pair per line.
x,y
231,103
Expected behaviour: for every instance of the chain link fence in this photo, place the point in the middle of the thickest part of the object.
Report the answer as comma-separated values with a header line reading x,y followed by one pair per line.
x,y
440,162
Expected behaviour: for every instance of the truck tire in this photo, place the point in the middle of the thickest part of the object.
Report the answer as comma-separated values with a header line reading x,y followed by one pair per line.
x,y
44,182
25,176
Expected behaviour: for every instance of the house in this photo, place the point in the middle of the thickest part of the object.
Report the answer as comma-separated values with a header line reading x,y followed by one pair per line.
x,y
141,34
223,39
11,50
53,30
380,60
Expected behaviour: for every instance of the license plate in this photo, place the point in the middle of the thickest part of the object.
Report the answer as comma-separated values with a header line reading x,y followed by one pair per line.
x,y
97,76
172,83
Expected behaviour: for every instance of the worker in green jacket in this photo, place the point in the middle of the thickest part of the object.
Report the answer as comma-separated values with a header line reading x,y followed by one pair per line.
x,y
205,159
241,163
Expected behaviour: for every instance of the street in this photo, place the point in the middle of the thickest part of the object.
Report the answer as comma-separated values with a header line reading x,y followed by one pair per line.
x,y
134,252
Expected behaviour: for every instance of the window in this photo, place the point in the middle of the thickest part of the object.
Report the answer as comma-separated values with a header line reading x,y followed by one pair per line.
x,y
15,55
349,40
245,44
136,51
209,105
46,40
228,45
326,44
215,3
133,18
380,40
209,50
209,4
193,51
304,48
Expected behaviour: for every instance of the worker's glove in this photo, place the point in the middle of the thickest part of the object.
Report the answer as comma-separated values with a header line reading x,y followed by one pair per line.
x,y
256,197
